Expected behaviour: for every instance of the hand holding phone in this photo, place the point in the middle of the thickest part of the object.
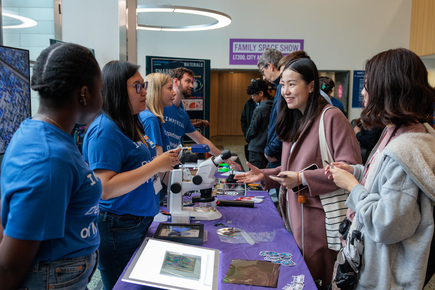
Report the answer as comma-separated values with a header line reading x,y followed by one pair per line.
x,y
330,165
281,176
301,186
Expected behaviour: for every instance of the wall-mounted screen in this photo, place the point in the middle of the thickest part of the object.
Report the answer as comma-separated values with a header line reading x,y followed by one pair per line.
x,y
14,92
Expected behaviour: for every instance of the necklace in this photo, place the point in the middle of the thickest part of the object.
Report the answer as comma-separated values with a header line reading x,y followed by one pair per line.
x,y
56,123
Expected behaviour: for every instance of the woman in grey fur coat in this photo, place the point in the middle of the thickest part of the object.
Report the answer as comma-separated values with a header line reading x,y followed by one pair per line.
x,y
393,195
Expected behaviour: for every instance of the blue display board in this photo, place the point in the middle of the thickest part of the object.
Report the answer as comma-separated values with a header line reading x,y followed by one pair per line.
x,y
14,92
198,105
358,85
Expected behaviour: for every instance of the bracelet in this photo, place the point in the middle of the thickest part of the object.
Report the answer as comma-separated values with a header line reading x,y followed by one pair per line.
x,y
297,179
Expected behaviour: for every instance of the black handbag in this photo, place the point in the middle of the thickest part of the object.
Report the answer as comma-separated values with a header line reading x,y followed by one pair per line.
x,y
349,259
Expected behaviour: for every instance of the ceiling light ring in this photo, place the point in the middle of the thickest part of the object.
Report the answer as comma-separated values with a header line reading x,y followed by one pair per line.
x,y
222,19
179,27
25,22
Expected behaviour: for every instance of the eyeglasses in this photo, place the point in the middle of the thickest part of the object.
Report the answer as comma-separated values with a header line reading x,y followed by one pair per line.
x,y
139,87
261,71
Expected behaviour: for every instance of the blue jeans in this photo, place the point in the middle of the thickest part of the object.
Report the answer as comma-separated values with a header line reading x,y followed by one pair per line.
x,y
65,274
275,164
120,236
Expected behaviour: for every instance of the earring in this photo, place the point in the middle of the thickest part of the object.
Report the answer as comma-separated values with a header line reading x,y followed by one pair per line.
x,y
83,100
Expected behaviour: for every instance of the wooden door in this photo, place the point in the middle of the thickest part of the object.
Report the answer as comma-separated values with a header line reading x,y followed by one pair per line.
x,y
227,99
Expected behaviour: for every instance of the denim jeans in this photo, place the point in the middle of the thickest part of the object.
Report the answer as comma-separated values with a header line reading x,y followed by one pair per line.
x,y
120,236
65,274
275,164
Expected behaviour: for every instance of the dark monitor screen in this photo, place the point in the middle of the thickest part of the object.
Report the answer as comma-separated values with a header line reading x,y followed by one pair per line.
x,y
14,92
53,41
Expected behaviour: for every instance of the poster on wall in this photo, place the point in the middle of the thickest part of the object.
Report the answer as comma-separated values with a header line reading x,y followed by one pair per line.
x,y
248,51
196,105
163,65
358,85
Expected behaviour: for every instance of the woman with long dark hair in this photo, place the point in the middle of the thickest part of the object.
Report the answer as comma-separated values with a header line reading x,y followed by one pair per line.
x,y
117,149
298,126
394,193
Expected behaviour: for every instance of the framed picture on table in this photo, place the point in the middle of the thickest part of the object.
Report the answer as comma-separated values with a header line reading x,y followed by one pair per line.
x,y
181,233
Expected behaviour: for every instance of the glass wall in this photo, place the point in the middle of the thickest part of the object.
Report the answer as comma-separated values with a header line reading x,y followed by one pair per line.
x,y
35,38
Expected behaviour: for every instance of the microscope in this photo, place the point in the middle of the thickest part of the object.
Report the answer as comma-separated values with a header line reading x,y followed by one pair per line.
x,y
181,181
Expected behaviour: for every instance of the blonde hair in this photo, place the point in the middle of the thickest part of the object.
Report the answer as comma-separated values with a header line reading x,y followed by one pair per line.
x,y
156,81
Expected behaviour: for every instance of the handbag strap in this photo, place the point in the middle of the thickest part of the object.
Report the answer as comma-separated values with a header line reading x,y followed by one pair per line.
x,y
301,198
324,148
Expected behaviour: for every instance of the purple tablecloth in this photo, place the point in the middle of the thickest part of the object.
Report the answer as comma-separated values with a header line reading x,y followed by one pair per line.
x,y
263,216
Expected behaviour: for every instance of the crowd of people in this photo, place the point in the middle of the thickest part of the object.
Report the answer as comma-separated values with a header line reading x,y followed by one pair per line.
x,y
63,213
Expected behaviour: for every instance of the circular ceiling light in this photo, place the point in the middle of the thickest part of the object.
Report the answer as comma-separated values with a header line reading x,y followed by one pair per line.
x,y
222,19
26,22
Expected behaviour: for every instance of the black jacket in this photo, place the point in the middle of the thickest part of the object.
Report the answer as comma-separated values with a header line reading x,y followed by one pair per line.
x,y
246,118
368,138
256,135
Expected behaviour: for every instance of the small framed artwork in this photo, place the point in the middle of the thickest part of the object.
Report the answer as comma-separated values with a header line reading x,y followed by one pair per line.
x,y
191,234
181,265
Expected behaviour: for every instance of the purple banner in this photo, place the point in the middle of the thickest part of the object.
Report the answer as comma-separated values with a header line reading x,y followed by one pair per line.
x,y
248,51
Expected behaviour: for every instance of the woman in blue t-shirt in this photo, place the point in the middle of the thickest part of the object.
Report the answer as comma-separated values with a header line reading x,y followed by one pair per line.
x,y
160,94
116,148
48,232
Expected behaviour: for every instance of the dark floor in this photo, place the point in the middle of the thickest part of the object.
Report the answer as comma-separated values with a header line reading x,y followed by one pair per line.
x,y
236,145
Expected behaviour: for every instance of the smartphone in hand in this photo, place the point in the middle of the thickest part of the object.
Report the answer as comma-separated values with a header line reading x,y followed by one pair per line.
x,y
281,176
330,165
301,187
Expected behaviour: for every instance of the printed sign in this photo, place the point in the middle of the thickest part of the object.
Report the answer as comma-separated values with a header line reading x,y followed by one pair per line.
x,y
163,65
193,105
197,105
358,85
248,51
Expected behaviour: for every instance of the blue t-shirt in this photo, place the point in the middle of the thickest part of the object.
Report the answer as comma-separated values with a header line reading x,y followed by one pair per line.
x,y
177,123
338,104
49,194
154,130
106,147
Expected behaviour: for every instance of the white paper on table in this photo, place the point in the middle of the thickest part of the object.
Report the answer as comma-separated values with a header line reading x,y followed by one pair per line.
x,y
160,217
145,268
